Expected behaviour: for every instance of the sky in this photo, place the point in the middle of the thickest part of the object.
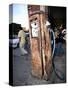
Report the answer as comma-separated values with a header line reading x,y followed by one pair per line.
x,y
18,13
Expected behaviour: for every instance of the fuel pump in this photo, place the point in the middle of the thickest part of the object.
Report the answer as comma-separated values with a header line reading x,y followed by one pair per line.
x,y
40,46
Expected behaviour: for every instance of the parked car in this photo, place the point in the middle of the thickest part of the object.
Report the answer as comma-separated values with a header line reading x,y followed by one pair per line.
x,y
13,41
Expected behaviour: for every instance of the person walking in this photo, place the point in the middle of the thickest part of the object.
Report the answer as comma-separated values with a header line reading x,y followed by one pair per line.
x,y
22,41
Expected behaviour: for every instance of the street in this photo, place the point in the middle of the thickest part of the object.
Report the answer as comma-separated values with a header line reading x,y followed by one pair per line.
x,y
22,69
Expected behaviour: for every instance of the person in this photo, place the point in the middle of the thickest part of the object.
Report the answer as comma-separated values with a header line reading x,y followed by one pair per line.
x,y
59,49
22,41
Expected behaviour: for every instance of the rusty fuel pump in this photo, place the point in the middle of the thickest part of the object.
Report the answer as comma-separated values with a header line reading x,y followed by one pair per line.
x,y
40,46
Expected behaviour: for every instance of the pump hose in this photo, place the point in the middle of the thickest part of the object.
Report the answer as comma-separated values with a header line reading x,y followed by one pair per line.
x,y
58,72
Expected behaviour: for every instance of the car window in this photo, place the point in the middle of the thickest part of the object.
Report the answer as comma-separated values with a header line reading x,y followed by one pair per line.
x,y
13,37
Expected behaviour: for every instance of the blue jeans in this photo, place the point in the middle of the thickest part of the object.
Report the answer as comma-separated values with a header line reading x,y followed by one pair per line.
x,y
59,49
